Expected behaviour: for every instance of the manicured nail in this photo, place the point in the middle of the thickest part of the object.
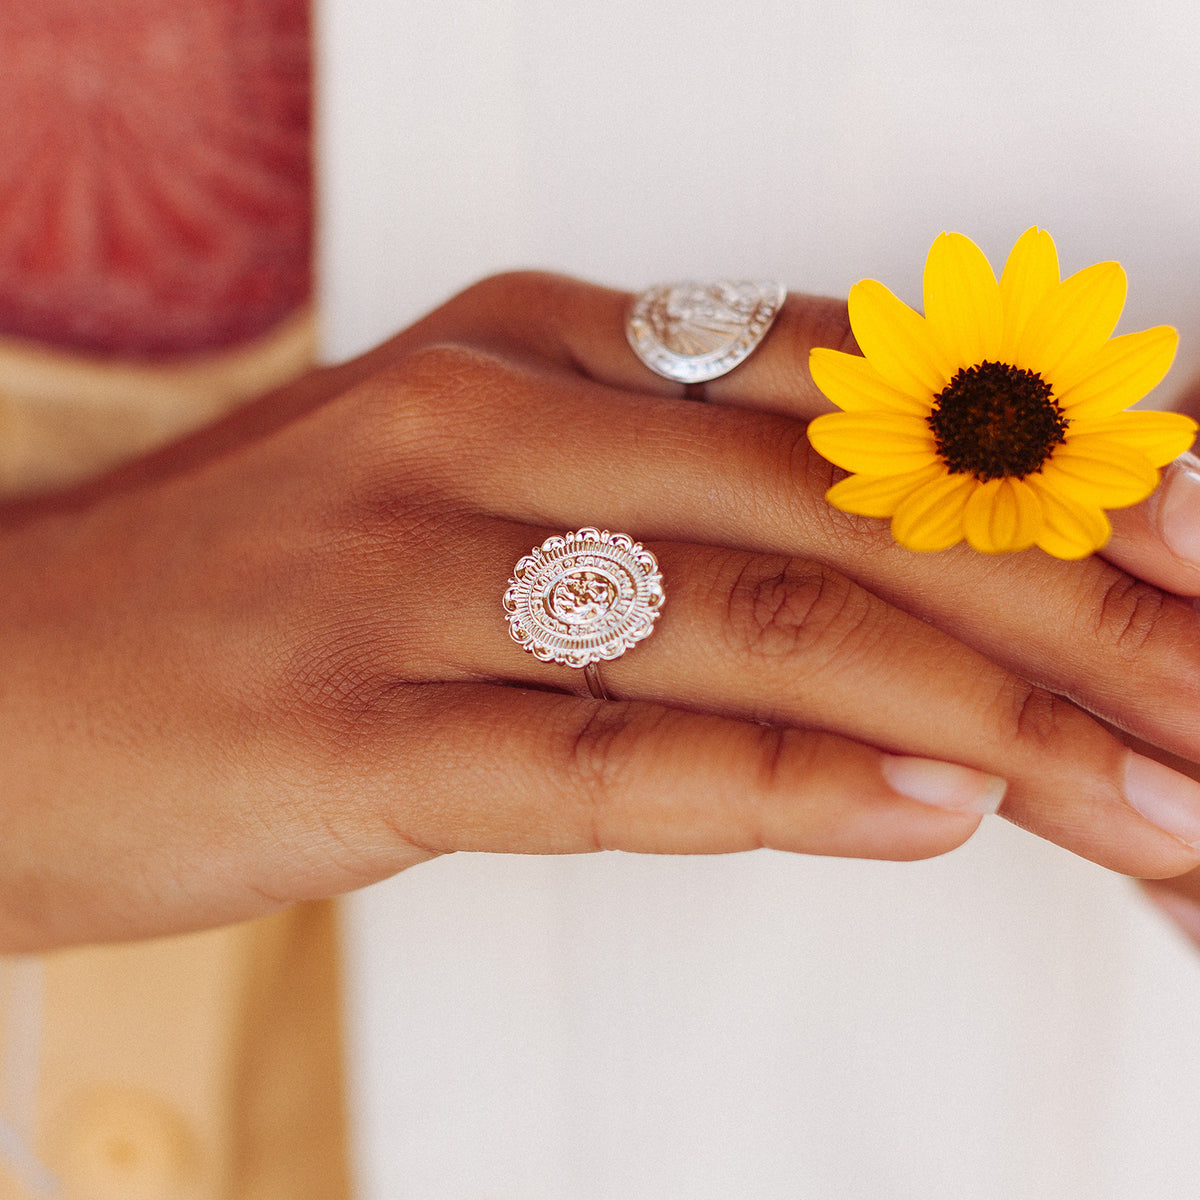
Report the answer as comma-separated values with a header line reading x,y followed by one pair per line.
x,y
942,784
1177,508
1164,797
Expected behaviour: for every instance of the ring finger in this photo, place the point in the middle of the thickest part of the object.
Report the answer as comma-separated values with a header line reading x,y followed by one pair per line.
x,y
795,644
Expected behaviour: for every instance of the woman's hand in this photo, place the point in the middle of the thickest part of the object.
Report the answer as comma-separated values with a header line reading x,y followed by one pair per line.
x,y
271,663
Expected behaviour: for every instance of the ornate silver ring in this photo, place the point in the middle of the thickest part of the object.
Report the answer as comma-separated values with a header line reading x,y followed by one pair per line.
x,y
693,332
584,598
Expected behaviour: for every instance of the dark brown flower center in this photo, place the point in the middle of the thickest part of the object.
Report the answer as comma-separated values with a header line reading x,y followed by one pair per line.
x,y
994,420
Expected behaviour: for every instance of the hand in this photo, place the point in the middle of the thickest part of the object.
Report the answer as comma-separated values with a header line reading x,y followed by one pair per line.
x,y
271,664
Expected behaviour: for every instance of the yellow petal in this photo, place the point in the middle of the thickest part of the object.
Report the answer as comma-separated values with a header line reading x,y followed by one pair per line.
x,y
1160,436
1119,374
873,443
1072,320
897,341
1069,529
1052,542
962,300
931,518
1002,516
879,496
1094,469
855,386
1029,274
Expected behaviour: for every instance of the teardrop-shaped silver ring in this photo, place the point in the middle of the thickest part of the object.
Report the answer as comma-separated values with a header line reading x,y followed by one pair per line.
x,y
693,332
584,598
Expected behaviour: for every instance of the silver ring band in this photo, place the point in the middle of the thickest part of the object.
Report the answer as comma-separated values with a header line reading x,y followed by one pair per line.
x,y
693,332
591,675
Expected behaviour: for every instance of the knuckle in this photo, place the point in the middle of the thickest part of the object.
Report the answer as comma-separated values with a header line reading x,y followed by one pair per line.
x,y
826,322
595,746
803,479
431,415
1038,716
433,379
596,764
788,608
525,308
805,475
785,757
779,761
1128,614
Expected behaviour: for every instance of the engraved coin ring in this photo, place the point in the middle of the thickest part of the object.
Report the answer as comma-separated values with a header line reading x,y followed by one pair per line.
x,y
584,598
693,332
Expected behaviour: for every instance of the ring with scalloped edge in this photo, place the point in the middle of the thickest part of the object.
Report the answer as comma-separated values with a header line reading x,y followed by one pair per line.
x,y
693,332
584,598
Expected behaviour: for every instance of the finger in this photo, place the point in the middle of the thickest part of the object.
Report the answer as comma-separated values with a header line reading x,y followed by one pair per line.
x,y
1159,539
1178,897
581,327
512,770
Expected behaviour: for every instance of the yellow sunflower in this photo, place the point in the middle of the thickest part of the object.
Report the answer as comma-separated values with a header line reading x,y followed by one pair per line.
x,y
999,416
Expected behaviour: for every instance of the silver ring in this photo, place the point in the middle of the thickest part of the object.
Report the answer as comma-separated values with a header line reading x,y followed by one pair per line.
x,y
693,332
584,598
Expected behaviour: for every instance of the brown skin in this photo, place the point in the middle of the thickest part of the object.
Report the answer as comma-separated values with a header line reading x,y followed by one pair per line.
x,y
269,663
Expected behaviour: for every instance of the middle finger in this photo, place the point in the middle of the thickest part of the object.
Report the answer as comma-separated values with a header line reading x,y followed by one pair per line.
x,y
792,643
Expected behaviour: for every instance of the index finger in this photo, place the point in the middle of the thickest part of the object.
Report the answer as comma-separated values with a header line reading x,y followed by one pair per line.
x,y
580,327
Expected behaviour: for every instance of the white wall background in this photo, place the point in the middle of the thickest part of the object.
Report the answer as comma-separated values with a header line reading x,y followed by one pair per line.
x,y
1005,1023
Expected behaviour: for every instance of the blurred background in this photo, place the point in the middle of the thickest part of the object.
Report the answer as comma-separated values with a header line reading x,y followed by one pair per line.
x,y
1007,1022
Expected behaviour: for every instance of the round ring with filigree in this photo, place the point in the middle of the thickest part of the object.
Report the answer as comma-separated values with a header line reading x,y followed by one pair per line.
x,y
693,332
583,598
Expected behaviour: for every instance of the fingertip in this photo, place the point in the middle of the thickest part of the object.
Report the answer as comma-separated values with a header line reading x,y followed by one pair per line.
x,y
851,800
1175,510
1168,799
1159,539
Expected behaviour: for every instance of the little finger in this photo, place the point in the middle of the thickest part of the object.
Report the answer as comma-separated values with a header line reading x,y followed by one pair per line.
x,y
510,770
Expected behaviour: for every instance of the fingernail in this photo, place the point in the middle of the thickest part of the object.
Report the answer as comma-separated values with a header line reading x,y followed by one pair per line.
x,y
1164,797
942,784
1177,508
